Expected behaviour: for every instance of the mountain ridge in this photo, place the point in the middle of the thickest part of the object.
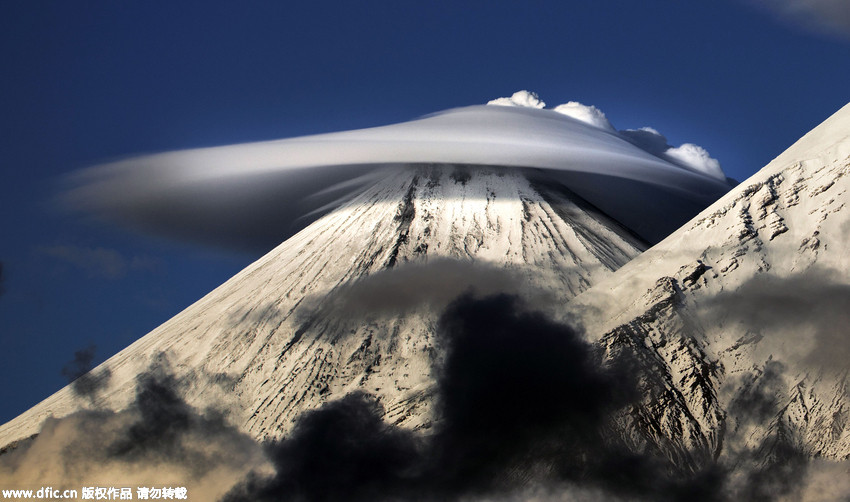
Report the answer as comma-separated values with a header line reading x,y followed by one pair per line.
x,y
711,290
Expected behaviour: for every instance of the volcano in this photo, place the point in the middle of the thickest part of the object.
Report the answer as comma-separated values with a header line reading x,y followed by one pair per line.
x,y
734,325
323,313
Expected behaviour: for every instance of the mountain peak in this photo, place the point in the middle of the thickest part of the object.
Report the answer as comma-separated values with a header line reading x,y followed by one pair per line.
x,y
309,321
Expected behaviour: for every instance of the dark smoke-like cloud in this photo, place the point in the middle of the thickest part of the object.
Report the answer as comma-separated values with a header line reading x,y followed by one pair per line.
x,y
520,399
519,377
758,401
342,451
159,440
808,312
525,409
84,382
777,466
432,285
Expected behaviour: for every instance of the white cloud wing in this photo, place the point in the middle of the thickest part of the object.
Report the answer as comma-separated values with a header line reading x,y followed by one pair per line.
x,y
257,194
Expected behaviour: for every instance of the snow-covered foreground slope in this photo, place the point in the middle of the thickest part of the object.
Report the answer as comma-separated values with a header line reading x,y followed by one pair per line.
x,y
742,315
320,316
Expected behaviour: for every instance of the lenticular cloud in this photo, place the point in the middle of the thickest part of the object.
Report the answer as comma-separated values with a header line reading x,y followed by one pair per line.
x,y
255,195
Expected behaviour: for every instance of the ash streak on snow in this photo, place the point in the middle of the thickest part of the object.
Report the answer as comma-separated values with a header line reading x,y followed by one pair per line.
x,y
255,195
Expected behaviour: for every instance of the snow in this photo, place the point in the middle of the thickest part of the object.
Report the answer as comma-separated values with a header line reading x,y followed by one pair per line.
x,y
490,229
762,252
275,327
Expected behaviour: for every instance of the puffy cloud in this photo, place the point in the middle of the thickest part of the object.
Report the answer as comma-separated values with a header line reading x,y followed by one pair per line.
x,y
697,158
587,114
688,155
525,99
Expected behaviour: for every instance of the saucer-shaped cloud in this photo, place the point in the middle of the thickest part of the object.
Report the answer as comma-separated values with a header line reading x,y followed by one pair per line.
x,y
255,195
647,138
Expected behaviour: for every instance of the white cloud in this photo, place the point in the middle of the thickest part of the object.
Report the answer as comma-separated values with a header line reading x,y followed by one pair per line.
x,y
524,99
587,114
688,155
697,158
255,195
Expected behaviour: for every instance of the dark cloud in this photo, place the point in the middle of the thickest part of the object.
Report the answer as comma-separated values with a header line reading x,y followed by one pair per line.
x,y
520,399
758,401
808,311
524,401
84,382
519,377
159,440
777,466
342,451
432,285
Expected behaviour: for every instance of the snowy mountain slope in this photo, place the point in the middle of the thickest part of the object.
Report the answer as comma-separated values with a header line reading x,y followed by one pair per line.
x,y
319,316
742,314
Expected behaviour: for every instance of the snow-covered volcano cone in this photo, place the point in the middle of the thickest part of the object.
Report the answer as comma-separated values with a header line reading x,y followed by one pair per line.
x,y
351,301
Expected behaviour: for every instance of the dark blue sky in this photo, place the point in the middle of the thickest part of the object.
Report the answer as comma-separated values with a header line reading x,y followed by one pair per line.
x,y
86,82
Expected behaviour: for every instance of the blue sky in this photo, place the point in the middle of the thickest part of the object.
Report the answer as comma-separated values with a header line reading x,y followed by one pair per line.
x,y
87,82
